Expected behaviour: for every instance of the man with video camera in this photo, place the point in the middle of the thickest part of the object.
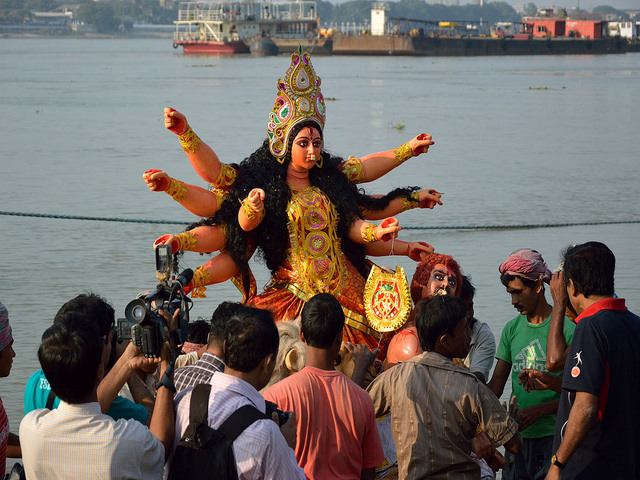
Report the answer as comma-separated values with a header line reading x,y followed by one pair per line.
x,y
38,393
76,440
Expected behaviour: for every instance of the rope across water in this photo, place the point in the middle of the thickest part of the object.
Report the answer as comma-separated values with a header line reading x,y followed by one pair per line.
x,y
414,227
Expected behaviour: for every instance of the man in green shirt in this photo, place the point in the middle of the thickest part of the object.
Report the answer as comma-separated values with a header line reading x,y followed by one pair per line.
x,y
523,344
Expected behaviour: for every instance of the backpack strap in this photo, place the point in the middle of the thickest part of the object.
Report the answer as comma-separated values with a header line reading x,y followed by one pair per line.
x,y
199,405
239,420
50,399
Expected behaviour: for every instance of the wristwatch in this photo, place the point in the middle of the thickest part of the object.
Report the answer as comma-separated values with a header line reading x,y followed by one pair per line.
x,y
557,463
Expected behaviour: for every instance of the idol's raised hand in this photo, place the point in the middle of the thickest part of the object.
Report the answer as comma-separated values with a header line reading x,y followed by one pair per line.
x,y
388,229
175,121
156,180
421,144
429,198
417,251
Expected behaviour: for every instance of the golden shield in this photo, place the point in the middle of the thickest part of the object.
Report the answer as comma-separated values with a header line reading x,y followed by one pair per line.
x,y
387,299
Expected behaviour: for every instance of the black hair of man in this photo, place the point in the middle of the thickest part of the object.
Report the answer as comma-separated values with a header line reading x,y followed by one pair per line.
x,y
70,355
94,307
436,316
219,319
505,278
468,291
322,321
591,267
198,332
251,335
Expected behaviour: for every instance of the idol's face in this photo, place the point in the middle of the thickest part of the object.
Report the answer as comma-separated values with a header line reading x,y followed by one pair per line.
x,y
306,149
442,281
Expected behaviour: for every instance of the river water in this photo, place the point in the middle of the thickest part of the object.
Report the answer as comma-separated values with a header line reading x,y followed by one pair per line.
x,y
540,140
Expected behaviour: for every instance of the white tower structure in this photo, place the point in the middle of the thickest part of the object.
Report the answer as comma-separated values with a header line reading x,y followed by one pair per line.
x,y
378,19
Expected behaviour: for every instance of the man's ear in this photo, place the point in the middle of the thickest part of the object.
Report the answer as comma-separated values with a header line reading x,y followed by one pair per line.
x,y
302,337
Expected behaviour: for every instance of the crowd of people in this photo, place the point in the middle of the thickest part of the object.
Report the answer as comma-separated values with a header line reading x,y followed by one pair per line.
x,y
427,414
295,381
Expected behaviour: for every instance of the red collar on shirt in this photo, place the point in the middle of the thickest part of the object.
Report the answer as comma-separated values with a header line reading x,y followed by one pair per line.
x,y
606,304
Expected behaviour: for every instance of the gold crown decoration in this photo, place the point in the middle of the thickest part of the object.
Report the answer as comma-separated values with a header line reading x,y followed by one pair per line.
x,y
298,100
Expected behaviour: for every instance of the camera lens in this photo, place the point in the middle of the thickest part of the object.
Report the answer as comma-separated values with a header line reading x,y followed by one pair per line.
x,y
137,312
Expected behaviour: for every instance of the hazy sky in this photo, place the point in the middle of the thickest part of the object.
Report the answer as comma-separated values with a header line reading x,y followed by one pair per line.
x,y
583,4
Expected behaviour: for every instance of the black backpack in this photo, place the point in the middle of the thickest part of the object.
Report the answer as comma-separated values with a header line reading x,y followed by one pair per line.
x,y
204,452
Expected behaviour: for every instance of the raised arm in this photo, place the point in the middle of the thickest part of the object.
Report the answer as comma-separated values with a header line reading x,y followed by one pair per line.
x,y
365,232
427,198
376,165
251,210
202,157
203,239
197,200
416,251
557,348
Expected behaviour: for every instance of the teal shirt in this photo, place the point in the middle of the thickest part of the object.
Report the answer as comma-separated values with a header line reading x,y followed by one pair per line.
x,y
524,345
37,391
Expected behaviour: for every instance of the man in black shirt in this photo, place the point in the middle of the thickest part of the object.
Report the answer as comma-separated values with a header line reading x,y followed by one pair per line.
x,y
598,420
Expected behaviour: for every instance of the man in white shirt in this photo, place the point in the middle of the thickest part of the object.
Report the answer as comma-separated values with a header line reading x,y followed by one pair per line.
x,y
76,440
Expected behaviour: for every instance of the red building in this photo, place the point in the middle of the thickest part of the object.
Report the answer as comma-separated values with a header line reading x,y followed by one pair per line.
x,y
586,28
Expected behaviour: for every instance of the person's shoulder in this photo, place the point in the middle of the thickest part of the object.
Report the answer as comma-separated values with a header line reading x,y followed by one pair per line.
x,y
130,429
513,324
287,384
36,381
483,329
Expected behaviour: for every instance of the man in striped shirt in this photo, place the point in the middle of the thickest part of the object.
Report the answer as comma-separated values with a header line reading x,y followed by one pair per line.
x,y
212,359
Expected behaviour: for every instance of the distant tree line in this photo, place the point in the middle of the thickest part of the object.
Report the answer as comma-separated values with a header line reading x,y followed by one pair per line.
x,y
121,14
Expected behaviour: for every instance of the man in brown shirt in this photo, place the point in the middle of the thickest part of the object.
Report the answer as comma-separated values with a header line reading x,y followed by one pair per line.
x,y
436,406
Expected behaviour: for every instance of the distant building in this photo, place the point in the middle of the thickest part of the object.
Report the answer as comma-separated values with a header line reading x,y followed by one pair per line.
x,y
378,19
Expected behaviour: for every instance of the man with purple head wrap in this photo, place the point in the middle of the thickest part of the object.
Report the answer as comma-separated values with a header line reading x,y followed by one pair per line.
x,y
523,344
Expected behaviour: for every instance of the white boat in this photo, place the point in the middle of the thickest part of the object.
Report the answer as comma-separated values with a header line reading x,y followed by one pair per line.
x,y
229,27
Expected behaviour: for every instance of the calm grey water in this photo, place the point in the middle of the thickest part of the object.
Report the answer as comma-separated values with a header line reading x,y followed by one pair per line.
x,y
519,140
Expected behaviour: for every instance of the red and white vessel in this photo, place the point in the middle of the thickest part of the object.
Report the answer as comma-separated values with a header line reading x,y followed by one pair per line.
x,y
228,27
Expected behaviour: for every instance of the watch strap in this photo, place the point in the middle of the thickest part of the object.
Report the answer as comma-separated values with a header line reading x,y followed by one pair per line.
x,y
557,463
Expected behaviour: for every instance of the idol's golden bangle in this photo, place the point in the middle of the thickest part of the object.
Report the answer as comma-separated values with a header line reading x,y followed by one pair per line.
x,y
250,212
368,231
190,141
176,190
201,278
413,201
403,153
186,240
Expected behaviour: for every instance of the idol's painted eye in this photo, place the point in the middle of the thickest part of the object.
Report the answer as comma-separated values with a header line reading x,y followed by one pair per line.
x,y
317,144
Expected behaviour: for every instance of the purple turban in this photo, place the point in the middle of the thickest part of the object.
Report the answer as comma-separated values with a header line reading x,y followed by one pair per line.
x,y
5,329
526,263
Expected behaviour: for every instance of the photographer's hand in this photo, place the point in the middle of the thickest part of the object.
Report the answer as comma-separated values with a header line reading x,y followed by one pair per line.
x,y
111,384
288,429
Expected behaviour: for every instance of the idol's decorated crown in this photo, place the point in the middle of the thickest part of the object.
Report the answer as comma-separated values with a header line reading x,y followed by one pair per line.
x,y
299,100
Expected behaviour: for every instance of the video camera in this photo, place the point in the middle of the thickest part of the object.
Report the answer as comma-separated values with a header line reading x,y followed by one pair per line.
x,y
143,323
